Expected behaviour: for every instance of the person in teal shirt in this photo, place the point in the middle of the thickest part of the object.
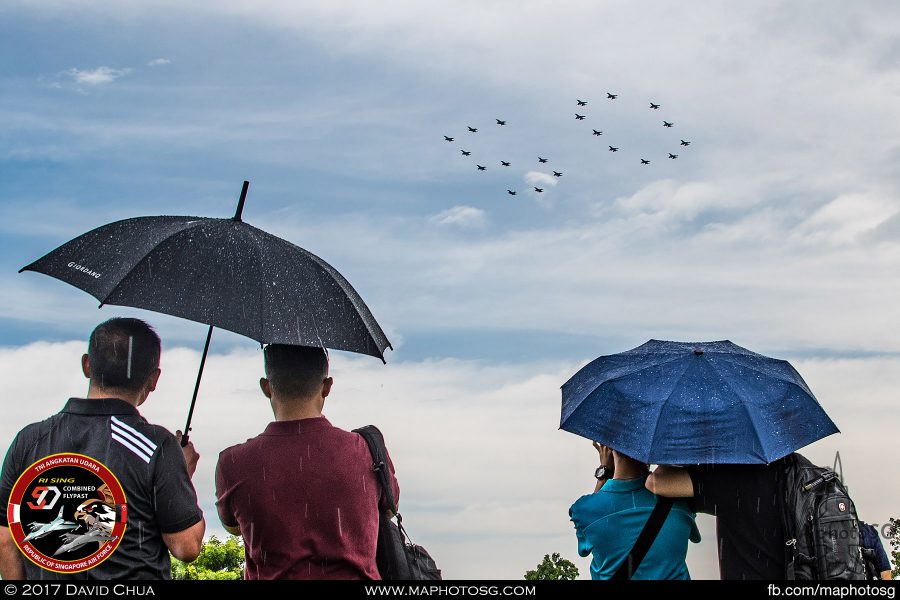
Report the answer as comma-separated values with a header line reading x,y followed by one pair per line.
x,y
608,522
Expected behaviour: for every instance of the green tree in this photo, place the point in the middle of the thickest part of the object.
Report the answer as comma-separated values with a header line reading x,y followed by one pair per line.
x,y
554,568
894,537
217,560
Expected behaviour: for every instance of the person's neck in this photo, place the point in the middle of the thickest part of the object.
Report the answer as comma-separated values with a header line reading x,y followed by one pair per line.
x,y
99,393
629,470
294,410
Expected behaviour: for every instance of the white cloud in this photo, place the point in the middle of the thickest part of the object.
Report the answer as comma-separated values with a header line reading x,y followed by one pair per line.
x,y
97,76
462,216
486,477
158,62
539,178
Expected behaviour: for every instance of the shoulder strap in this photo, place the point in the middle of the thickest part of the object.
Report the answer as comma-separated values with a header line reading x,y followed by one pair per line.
x,y
375,441
646,538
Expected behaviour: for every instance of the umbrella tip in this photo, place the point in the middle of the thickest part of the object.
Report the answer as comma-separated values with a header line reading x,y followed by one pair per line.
x,y
240,206
698,351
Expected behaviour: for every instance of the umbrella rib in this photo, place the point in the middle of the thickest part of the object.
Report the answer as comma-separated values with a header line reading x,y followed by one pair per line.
x,y
155,247
349,292
662,408
744,404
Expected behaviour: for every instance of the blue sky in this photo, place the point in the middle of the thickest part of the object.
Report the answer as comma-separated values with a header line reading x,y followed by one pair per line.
x,y
777,228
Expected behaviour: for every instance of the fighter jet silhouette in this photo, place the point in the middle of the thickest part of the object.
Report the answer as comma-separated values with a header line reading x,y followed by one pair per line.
x,y
538,190
449,139
613,149
597,132
504,163
480,168
645,162
654,106
684,143
543,160
510,192
499,122
557,174
466,153
581,102
611,96
667,124
472,129
39,530
579,117
673,156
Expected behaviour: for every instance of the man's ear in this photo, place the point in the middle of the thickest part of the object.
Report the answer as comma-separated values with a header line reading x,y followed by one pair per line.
x,y
326,386
154,379
266,387
86,365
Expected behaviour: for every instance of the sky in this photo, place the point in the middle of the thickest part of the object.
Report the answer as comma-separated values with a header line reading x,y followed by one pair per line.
x,y
777,228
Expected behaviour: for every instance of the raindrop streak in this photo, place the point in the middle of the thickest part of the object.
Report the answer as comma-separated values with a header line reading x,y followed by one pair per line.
x,y
306,511
340,531
130,345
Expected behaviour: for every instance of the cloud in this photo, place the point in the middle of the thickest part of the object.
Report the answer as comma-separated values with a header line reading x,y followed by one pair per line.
x,y
462,216
538,177
97,76
486,478
158,62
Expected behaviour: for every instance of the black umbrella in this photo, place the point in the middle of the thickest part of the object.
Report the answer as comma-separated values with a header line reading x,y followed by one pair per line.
x,y
222,272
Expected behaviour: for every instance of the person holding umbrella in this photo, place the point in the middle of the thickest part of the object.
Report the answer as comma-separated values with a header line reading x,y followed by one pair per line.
x,y
732,415
122,364
610,524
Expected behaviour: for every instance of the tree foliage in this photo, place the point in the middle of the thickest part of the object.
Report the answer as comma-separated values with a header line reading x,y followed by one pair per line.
x,y
217,561
894,537
553,567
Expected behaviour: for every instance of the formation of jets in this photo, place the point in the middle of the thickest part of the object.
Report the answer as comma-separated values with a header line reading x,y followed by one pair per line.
x,y
578,117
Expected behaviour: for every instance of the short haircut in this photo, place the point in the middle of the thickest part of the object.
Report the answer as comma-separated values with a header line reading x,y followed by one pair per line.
x,y
123,353
295,371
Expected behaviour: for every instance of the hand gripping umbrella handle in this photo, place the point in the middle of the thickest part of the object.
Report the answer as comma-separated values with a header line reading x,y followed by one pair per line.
x,y
185,437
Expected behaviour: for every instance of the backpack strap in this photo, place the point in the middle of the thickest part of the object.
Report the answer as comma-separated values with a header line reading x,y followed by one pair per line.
x,y
375,441
646,538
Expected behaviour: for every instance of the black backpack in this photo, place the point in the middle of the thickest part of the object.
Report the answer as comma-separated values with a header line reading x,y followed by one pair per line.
x,y
822,532
397,558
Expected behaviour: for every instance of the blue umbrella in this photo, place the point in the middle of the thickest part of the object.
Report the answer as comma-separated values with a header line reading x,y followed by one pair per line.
x,y
694,403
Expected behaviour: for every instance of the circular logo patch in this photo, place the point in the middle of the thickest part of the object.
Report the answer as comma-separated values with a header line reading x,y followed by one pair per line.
x,y
67,513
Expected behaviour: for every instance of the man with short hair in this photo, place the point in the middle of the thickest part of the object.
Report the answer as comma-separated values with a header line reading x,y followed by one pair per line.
x,y
303,494
122,364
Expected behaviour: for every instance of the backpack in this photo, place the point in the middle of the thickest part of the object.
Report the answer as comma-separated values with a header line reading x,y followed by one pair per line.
x,y
822,531
396,556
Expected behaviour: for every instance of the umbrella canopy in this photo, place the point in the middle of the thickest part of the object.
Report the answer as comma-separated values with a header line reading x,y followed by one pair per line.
x,y
221,272
694,403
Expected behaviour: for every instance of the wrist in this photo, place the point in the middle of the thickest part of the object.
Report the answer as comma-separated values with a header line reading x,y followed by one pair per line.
x,y
603,472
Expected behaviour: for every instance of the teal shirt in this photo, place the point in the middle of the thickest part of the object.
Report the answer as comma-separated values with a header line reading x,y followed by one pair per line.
x,y
608,522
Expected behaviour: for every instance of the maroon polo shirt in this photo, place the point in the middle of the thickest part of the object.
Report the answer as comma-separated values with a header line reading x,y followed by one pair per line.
x,y
306,500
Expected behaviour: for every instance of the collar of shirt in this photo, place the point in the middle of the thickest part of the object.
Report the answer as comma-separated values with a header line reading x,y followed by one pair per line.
x,y
297,426
99,406
623,485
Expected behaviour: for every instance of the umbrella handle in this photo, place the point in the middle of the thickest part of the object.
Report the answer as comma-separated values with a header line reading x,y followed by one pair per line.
x,y
185,438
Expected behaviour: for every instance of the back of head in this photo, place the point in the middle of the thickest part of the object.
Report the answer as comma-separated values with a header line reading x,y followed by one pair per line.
x,y
123,353
295,372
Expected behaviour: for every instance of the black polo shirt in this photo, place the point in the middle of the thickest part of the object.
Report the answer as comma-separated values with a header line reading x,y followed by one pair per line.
x,y
146,459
